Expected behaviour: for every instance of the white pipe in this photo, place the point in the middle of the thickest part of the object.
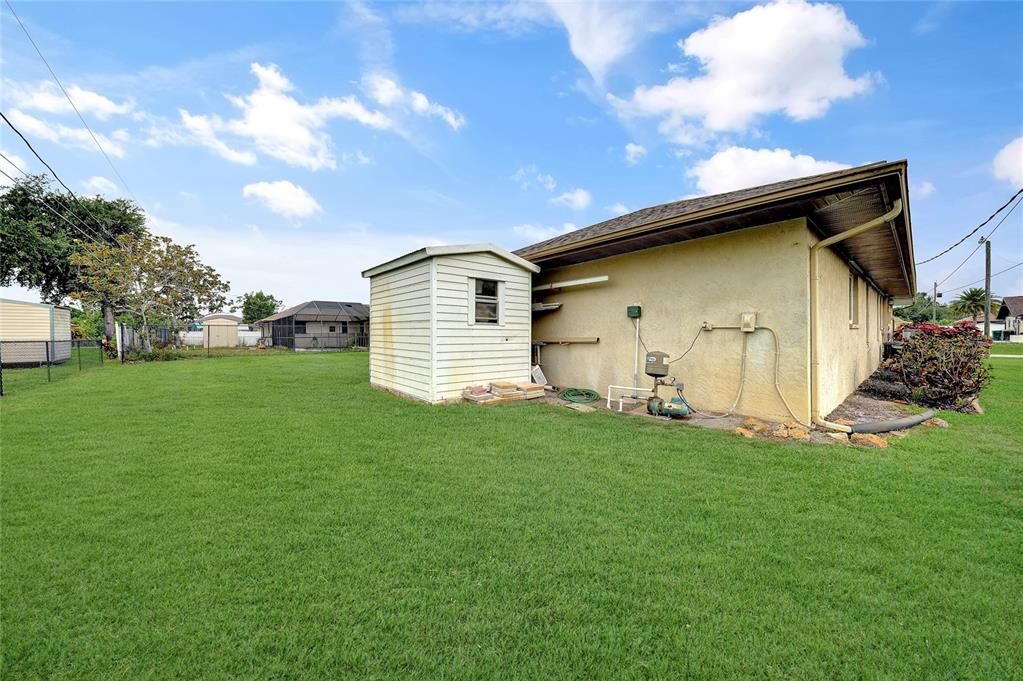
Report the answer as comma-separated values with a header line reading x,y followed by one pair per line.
x,y
815,312
635,356
624,387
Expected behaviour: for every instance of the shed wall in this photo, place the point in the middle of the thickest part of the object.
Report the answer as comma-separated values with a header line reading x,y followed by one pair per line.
x,y
23,321
716,279
400,345
465,352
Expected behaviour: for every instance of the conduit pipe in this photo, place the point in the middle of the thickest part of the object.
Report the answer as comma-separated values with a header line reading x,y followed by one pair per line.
x,y
815,309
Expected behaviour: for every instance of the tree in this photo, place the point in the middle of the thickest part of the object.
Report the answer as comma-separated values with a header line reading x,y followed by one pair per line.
x,y
36,243
256,305
922,309
971,302
148,277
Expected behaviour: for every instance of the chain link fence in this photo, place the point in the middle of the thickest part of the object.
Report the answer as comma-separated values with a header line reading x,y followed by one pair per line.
x,y
28,363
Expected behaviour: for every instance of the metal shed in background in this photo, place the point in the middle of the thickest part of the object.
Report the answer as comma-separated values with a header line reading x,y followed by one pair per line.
x,y
34,333
317,324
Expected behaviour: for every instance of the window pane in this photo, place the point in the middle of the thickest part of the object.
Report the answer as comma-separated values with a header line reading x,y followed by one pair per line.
x,y
486,312
486,287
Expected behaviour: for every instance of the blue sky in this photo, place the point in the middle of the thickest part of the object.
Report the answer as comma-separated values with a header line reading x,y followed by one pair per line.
x,y
298,144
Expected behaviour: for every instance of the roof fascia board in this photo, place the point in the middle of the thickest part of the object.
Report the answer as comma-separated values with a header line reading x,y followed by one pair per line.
x,y
462,249
823,185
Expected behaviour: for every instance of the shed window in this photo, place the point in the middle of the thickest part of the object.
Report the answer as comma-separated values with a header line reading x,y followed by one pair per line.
x,y
486,302
854,301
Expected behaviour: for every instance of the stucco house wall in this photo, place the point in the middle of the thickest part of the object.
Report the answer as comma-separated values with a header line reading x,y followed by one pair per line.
x,y
851,346
680,286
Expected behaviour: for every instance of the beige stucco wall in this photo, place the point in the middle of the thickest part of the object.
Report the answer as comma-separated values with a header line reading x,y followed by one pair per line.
x,y
716,279
849,352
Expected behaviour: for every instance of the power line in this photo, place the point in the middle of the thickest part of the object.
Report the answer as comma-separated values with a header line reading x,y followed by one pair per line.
x,y
995,229
975,229
70,101
99,223
42,198
1007,269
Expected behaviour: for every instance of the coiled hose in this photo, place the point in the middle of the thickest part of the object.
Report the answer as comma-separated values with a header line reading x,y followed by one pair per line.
x,y
579,395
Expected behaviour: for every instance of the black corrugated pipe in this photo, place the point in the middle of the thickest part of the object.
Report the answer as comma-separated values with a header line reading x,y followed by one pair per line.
x,y
897,424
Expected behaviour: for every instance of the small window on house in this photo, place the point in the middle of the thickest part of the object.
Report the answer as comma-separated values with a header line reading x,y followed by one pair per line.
x,y
487,311
332,329
344,327
854,301
299,327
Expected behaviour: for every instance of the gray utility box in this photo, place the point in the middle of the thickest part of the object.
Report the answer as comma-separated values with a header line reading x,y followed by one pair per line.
x,y
656,364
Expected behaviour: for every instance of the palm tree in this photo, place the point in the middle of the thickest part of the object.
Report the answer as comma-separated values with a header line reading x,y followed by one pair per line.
x,y
971,302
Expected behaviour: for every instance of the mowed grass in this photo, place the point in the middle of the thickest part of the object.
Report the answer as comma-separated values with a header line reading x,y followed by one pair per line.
x,y
1007,349
274,517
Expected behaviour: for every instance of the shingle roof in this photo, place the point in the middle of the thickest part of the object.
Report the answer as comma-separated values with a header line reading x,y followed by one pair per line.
x,y
1012,306
323,310
678,209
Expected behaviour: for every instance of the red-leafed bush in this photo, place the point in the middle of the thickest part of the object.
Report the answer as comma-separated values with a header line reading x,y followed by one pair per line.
x,y
942,365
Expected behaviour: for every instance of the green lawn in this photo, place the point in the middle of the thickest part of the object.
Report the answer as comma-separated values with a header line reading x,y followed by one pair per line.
x,y
1007,349
273,517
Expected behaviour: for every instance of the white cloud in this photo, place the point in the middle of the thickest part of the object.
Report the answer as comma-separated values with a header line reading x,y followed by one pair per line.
x,y
47,97
924,189
576,199
534,233
10,168
386,92
616,209
529,175
203,129
509,17
59,133
932,18
279,125
304,265
634,152
355,158
98,184
283,197
1008,163
739,167
602,33
784,57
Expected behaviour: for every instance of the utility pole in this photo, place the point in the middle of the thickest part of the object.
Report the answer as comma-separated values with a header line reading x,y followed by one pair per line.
x,y
987,287
934,304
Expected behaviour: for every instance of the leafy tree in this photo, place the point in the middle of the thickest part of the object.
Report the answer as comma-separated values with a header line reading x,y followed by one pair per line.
x,y
148,277
256,305
87,322
36,244
971,302
922,309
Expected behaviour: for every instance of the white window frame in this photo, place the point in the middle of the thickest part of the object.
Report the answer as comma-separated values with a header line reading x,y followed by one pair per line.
x,y
471,317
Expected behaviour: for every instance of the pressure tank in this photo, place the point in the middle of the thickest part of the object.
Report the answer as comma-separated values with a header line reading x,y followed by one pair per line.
x,y
656,364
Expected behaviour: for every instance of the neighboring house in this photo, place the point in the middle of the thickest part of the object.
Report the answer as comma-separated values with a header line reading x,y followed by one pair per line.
x,y
810,266
1011,314
997,327
47,326
317,324
445,317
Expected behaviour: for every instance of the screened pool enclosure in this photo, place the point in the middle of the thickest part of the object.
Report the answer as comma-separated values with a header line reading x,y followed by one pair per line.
x,y
316,325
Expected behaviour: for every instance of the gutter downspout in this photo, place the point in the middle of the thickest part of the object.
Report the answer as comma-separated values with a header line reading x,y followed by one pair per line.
x,y
815,312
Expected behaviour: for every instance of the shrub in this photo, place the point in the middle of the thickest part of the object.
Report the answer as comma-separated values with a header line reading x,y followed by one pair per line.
x,y
943,366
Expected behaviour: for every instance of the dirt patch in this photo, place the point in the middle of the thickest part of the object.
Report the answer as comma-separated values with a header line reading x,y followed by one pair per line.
x,y
860,408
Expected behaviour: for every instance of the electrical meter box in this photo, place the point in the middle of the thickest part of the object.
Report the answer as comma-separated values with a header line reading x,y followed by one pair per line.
x,y
656,364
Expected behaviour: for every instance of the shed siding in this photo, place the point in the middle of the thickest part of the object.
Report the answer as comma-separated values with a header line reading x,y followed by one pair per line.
x,y
399,330
23,321
467,353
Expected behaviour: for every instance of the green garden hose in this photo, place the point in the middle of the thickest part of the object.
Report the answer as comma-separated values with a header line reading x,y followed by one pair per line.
x,y
579,395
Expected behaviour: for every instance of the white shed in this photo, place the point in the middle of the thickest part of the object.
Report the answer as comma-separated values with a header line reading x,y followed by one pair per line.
x,y
445,317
